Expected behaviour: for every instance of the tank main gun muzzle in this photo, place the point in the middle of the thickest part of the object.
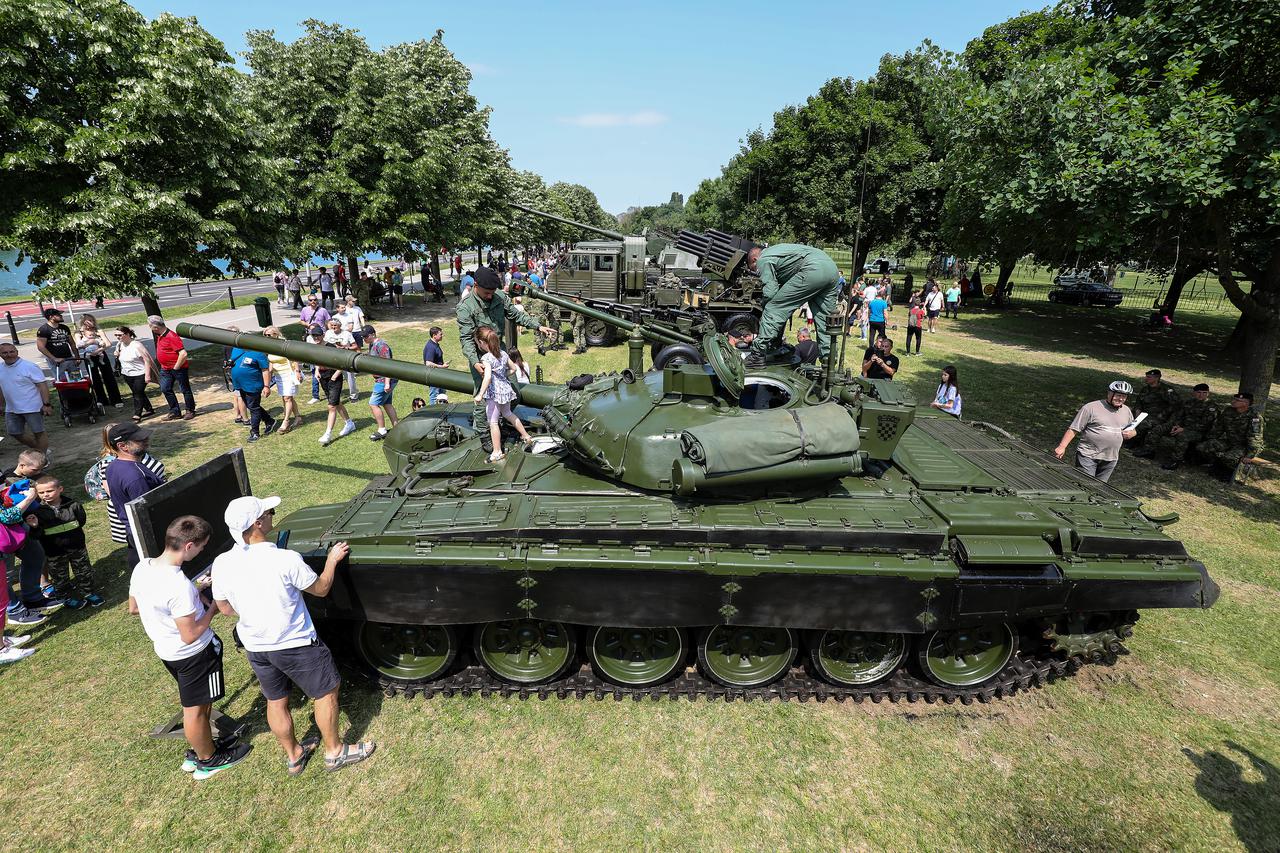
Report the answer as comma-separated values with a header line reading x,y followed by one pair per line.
x,y
538,396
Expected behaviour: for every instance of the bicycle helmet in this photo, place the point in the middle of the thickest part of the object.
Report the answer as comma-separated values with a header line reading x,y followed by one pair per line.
x,y
1120,387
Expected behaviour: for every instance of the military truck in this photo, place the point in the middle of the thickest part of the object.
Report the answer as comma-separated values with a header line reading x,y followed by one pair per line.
x,y
616,275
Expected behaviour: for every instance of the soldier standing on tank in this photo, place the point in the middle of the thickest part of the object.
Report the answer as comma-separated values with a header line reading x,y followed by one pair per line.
x,y
1190,428
1235,439
487,305
792,275
1161,403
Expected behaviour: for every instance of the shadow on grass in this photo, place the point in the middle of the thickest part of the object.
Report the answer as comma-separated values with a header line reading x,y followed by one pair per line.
x,y
1252,805
334,469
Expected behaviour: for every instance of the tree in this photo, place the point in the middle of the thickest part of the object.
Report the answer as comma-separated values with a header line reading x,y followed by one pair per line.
x,y
1180,99
582,206
127,151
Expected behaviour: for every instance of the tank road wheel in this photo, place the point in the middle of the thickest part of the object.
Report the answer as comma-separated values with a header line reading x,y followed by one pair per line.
x,y
740,325
598,333
855,658
407,653
526,651
741,656
637,657
967,656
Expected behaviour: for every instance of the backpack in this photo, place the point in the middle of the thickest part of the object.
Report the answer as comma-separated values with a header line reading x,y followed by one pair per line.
x,y
93,480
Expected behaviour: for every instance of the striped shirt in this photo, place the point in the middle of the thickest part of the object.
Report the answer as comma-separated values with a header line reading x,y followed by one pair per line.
x,y
155,466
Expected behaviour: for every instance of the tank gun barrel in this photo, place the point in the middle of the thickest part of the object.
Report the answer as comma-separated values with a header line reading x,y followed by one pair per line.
x,y
650,333
439,377
614,235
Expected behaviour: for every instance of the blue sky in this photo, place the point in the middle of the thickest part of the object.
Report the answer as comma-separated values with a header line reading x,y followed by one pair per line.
x,y
633,100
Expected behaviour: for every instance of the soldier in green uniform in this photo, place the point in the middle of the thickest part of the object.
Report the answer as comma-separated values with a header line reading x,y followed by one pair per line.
x,y
792,275
579,332
549,316
1161,403
1190,428
1235,439
487,305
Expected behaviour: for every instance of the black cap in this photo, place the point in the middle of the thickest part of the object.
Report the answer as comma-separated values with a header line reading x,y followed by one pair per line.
x,y
315,330
1153,372
1201,387
1244,395
126,432
487,279
368,331
52,312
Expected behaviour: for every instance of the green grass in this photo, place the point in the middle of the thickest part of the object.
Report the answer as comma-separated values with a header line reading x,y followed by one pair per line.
x,y
1156,753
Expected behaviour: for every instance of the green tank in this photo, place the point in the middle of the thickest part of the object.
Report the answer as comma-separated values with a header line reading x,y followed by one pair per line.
x,y
704,530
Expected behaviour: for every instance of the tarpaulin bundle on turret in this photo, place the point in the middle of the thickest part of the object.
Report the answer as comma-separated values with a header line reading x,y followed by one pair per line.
x,y
762,439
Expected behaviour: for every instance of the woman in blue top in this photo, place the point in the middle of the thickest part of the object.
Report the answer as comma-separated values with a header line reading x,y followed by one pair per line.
x,y
947,397
251,376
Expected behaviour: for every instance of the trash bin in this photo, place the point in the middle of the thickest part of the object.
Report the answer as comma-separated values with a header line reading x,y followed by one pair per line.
x,y
262,307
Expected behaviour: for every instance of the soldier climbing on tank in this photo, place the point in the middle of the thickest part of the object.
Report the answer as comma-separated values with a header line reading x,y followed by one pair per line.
x,y
487,305
1171,443
1161,403
1235,439
792,275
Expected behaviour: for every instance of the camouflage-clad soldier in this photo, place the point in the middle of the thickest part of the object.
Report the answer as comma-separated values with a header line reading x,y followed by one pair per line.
x,y
1161,402
486,305
579,332
1236,437
547,315
1187,430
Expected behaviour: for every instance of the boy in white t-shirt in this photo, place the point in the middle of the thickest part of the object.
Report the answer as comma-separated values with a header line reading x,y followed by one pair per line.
x,y
177,621
341,338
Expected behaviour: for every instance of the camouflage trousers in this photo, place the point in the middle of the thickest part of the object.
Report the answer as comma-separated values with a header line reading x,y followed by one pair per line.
x,y
1151,427
579,332
1226,455
547,315
71,572
1172,448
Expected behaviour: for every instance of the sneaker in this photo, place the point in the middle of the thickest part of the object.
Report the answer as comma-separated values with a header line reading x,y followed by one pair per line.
x,y
326,438
354,398
188,416
74,603
95,600
14,642
22,616
49,591
190,760
10,654
46,605
173,416
347,429
314,400
253,436
119,405
220,760
378,435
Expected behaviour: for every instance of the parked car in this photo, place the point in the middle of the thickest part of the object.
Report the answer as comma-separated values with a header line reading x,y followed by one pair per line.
x,y
1080,290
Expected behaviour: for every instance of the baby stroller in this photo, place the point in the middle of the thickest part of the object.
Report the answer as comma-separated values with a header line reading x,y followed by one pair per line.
x,y
75,391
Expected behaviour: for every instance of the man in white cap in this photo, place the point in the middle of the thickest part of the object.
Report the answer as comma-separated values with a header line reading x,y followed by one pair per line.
x,y
263,585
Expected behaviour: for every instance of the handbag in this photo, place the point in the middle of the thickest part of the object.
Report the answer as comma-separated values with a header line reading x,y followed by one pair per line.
x,y
12,537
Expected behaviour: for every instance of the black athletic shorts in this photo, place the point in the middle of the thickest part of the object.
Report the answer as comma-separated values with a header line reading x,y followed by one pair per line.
x,y
311,667
199,677
397,289
332,385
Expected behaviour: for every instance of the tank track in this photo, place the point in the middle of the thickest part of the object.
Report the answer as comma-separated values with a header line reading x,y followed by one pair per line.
x,y
1023,672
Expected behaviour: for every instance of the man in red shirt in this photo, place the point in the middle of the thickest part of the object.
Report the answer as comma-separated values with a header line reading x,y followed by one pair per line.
x,y
171,353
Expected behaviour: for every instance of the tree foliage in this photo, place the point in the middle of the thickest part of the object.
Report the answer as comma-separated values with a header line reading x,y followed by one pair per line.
x,y
127,150
582,206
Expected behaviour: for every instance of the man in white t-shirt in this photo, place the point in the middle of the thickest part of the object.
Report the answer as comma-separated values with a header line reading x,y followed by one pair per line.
x,y
343,339
24,395
263,585
177,621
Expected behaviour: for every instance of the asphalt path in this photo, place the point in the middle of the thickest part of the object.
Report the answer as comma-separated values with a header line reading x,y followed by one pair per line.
x,y
27,315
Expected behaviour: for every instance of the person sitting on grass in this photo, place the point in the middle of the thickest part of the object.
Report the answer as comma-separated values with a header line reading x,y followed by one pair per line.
x,y
59,522
176,618
495,389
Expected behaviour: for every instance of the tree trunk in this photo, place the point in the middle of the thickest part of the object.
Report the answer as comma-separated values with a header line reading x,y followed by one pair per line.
x,y
1258,365
1180,279
859,261
150,305
1002,282
435,270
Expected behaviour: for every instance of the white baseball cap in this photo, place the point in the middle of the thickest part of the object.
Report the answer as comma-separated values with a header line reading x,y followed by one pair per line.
x,y
243,512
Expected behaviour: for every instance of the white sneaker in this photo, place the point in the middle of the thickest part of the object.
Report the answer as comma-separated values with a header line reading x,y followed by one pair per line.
x,y
12,653
354,398
314,400
347,429
20,640
326,438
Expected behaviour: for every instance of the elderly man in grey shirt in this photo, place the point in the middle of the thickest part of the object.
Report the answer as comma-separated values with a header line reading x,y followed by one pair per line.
x,y
1102,426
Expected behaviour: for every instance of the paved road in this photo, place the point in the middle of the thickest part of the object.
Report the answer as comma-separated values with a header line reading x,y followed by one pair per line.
x,y
26,315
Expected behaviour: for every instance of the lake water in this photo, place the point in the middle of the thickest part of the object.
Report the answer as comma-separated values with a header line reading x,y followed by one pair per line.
x,y
13,281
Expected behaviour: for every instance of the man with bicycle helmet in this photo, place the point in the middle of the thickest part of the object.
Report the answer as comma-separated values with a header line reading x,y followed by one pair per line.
x,y
1102,427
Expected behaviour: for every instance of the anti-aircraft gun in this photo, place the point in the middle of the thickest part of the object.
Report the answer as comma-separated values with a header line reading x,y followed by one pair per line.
x,y
703,515
614,275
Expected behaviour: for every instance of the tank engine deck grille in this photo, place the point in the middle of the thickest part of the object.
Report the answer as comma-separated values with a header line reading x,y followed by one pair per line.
x,y
1018,465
